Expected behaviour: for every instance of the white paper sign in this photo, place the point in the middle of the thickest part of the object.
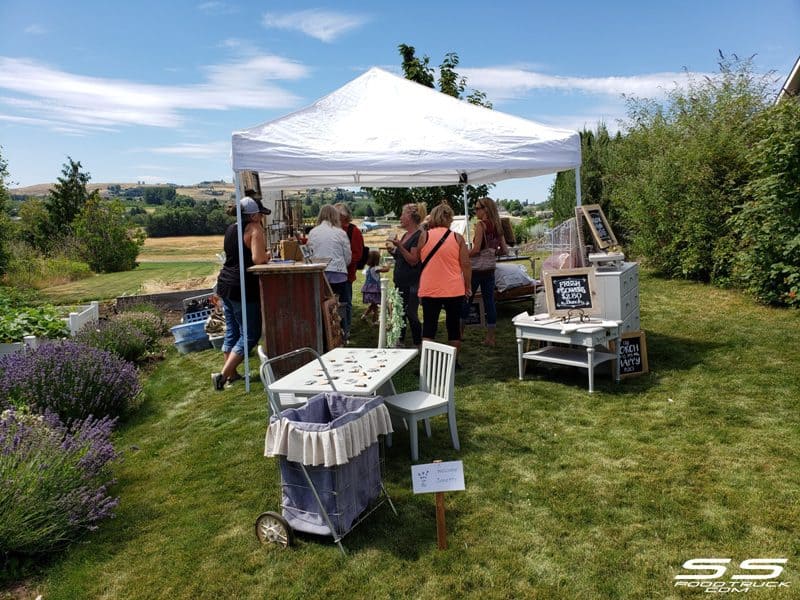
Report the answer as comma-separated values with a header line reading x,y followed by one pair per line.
x,y
438,477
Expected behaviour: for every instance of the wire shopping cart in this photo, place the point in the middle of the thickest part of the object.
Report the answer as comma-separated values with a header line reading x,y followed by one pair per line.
x,y
330,463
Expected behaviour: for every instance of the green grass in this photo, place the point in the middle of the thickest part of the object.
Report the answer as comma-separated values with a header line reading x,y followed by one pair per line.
x,y
112,285
569,495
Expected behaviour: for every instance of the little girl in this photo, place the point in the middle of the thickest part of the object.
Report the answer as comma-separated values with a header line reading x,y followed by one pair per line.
x,y
371,290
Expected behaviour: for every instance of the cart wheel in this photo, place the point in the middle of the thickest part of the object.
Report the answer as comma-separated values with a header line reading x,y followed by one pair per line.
x,y
272,527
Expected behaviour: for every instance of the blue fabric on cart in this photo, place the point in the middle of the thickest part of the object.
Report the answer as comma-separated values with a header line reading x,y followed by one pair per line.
x,y
345,490
329,411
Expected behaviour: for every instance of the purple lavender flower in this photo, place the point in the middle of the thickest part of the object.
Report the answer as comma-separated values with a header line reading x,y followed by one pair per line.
x,y
55,480
70,379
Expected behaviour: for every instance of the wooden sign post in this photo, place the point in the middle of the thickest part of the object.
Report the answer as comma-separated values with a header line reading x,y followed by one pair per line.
x,y
438,477
441,526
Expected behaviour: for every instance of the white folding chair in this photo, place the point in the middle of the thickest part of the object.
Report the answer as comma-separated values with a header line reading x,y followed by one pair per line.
x,y
436,394
282,400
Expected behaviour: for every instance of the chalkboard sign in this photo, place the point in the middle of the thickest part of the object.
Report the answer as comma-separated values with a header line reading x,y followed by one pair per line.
x,y
570,291
601,230
633,354
476,315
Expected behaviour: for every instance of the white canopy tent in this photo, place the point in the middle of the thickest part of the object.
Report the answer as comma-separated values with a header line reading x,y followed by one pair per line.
x,y
381,130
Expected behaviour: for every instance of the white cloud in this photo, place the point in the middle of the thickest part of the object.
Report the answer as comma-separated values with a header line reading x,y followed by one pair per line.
x,y
216,8
47,93
35,29
210,149
504,83
323,25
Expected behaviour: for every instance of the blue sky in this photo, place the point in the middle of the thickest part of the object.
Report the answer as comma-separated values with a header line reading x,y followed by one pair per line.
x,y
152,90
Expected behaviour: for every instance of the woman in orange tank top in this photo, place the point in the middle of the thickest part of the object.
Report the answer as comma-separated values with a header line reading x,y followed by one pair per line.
x,y
446,279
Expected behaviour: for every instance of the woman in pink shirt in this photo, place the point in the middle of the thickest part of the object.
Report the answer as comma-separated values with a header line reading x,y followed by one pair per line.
x,y
446,277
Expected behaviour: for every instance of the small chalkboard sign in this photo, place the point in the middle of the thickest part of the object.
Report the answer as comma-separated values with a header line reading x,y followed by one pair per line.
x,y
598,224
633,354
570,292
476,316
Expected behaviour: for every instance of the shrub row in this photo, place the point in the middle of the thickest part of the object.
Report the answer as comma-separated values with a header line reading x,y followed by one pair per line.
x,y
58,406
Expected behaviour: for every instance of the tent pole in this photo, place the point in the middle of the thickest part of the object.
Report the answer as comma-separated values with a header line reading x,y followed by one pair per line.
x,y
240,239
467,236
577,186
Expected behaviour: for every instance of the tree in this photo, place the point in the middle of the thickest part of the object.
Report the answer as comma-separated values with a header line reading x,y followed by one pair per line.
x,y
450,83
596,154
67,197
34,225
5,224
107,244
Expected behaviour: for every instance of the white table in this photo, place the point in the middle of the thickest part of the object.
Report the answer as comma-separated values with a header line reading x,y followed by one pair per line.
x,y
355,372
587,336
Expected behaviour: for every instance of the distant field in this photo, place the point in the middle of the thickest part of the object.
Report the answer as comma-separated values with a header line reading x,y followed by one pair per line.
x,y
198,192
200,248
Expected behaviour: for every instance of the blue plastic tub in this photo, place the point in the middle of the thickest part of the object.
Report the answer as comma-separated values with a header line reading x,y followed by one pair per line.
x,y
195,345
189,331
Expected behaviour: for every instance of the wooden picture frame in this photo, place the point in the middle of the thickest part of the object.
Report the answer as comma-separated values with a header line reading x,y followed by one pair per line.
x,y
331,321
598,224
633,354
251,184
572,291
476,317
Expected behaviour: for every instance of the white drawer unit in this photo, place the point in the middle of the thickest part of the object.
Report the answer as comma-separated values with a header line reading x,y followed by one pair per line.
x,y
618,291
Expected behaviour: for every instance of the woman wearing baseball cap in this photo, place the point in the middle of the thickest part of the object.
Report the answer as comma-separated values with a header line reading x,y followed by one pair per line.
x,y
228,289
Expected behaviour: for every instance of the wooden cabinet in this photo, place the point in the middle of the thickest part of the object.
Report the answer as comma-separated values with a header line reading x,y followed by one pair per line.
x,y
618,291
291,311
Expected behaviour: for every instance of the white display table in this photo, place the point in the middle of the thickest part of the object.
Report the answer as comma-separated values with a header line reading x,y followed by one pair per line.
x,y
355,371
587,336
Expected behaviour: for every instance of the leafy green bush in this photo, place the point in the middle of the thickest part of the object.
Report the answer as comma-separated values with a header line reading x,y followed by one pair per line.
x,y
42,321
678,174
70,379
767,263
55,480
29,268
122,338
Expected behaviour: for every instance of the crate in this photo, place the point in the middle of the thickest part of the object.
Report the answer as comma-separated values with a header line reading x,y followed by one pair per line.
x,y
200,315
189,331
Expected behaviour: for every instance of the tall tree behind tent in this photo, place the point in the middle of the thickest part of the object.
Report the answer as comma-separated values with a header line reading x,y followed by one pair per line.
x,y
453,84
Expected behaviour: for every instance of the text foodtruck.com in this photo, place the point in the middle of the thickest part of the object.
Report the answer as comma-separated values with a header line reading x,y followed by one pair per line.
x,y
751,574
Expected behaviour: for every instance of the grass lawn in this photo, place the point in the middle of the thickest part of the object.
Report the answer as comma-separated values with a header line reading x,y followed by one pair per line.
x,y
569,495
148,277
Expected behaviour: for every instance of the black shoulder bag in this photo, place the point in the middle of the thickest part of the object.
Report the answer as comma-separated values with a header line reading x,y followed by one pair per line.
x,y
435,248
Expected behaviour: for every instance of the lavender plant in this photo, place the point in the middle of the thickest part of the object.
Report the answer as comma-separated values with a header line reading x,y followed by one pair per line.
x,y
151,326
55,480
70,379
122,338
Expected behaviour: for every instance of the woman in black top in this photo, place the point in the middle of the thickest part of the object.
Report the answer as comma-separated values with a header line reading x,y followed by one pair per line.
x,y
406,269
228,289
